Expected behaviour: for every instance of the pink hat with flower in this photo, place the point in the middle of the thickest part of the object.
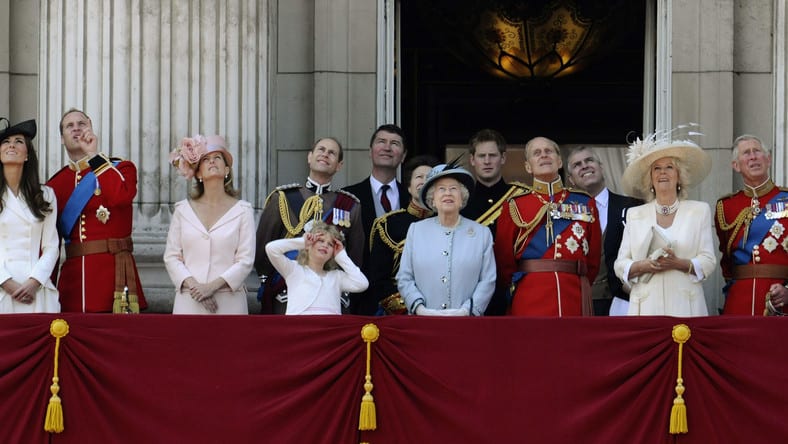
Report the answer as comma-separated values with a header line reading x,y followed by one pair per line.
x,y
217,143
186,156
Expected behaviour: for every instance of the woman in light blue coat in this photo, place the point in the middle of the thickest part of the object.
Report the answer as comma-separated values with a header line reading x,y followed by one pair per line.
x,y
447,266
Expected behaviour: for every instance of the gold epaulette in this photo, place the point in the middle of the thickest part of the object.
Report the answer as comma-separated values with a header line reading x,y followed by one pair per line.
x,y
579,191
519,184
289,186
525,191
380,227
281,188
349,194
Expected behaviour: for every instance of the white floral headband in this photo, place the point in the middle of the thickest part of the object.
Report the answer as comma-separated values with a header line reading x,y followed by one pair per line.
x,y
186,156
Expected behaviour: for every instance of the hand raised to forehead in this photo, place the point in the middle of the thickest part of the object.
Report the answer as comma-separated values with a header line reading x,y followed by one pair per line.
x,y
88,142
309,239
338,246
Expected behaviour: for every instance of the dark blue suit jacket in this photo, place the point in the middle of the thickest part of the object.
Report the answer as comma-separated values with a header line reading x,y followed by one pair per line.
x,y
363,190
616,217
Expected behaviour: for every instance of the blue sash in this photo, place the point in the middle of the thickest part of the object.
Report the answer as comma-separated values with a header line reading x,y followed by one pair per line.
x,y
539,243
759,228
76,203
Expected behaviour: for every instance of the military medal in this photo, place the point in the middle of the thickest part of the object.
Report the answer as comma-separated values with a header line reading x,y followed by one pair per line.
x,y
102,214
341,217
776,210
755,207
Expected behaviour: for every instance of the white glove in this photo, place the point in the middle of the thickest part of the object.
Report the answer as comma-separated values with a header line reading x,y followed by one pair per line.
x,y
453,312
421,310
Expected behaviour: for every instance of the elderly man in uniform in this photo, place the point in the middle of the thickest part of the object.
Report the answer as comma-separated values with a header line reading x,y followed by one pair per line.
x,y
487,149
94,199
585,171
753,240
548,241
289,208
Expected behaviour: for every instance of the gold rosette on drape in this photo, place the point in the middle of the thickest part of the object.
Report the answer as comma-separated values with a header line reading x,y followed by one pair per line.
x,y
53,422
367,418
678,413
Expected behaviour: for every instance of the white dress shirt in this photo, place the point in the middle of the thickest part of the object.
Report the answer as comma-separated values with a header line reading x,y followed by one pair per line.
x,y
392,193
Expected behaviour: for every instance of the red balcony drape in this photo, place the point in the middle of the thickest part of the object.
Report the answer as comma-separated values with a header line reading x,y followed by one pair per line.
x,y
276,379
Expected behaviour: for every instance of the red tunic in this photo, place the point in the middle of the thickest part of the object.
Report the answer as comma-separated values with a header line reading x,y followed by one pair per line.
x,y
87,283
521,236
767,244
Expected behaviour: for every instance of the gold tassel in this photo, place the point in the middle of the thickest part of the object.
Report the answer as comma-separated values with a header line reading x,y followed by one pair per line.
x,y
368,418
678,413
53,423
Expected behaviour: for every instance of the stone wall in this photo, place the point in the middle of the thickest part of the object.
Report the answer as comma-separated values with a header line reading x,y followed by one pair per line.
x,y
274,75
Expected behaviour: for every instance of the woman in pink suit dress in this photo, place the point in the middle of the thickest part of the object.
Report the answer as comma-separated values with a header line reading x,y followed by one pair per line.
x,y
211,241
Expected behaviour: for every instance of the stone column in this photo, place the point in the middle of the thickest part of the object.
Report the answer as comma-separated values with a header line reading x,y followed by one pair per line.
x,y
149,72
323,83
780,161
702,92
754,95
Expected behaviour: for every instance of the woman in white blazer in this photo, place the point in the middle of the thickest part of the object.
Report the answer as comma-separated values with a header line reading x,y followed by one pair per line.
x,y
28,235
667,249
211,242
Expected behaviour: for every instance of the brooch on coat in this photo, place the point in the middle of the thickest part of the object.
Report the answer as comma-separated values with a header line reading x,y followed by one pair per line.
x,y
102,214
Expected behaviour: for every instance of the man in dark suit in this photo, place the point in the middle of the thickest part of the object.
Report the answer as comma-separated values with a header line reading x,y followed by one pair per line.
x,y
585,172
381,192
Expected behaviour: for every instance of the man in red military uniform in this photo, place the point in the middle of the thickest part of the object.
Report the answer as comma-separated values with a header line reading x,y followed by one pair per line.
x,y
751,225
94,195
548,241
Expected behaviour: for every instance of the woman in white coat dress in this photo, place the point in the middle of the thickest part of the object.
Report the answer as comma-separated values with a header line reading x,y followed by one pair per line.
x,y
667,249
28,235
210,244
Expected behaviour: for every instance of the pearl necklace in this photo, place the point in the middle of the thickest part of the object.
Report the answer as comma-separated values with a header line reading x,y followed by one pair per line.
x,y
667,210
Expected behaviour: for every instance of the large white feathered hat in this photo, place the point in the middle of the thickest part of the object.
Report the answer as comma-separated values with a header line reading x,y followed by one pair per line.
x,y
642,153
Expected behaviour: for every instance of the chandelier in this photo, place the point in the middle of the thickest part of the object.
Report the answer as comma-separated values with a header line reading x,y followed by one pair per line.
x,y
524,40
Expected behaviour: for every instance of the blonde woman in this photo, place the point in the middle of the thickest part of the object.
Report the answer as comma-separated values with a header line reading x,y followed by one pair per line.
x,y
667,249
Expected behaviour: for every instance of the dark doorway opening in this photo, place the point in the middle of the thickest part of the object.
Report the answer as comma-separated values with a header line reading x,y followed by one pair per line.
x,y
448,93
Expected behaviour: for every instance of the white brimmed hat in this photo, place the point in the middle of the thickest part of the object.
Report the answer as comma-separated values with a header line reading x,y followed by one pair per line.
x,y
642,153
